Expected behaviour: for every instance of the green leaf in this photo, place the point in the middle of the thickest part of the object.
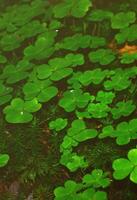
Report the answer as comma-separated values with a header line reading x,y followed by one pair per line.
x,y
92,76
123,109
85,135
132,156
97,179
58,124
75,8
20,111
122,168
102,56
105,97
127,34
127,58
41,49
119,81
98,110
4,158
74,98
122,19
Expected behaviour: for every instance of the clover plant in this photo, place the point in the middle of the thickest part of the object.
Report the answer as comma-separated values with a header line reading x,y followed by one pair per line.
x,y
21,110
103,56
68,66
73,8
124,167
58,124
74,98
123,109
87,189
122,20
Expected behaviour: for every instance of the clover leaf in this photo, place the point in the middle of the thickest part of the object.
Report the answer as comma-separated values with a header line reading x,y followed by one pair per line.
x,y
59,68
107,131
125,132
98,15
95,76
82,191
97,179
58,124
41,49
98,110
73,99
73,161
123,109
127,58
119,81
75,8
42,90
103,56
124,167
127,34
74,42
9,42
77,133
20,111
105,97
68,191
79,40
13,74
122,19
4,158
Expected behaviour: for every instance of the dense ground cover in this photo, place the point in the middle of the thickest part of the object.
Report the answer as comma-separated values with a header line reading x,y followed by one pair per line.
x,y
68,89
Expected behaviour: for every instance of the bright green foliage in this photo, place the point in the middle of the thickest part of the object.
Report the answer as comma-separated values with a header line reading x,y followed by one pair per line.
x,y
122,20
4,158
124,132
85,190
73,161
78,40
95,76
127,34
127,58
105,97
77,133
64,57
97,178
42,90
59,68
99,15
119,81
124,167
42,49
13,74
58,124
123,109
20,111
74,42
107,131
75,8
73,99
102,56
98,110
